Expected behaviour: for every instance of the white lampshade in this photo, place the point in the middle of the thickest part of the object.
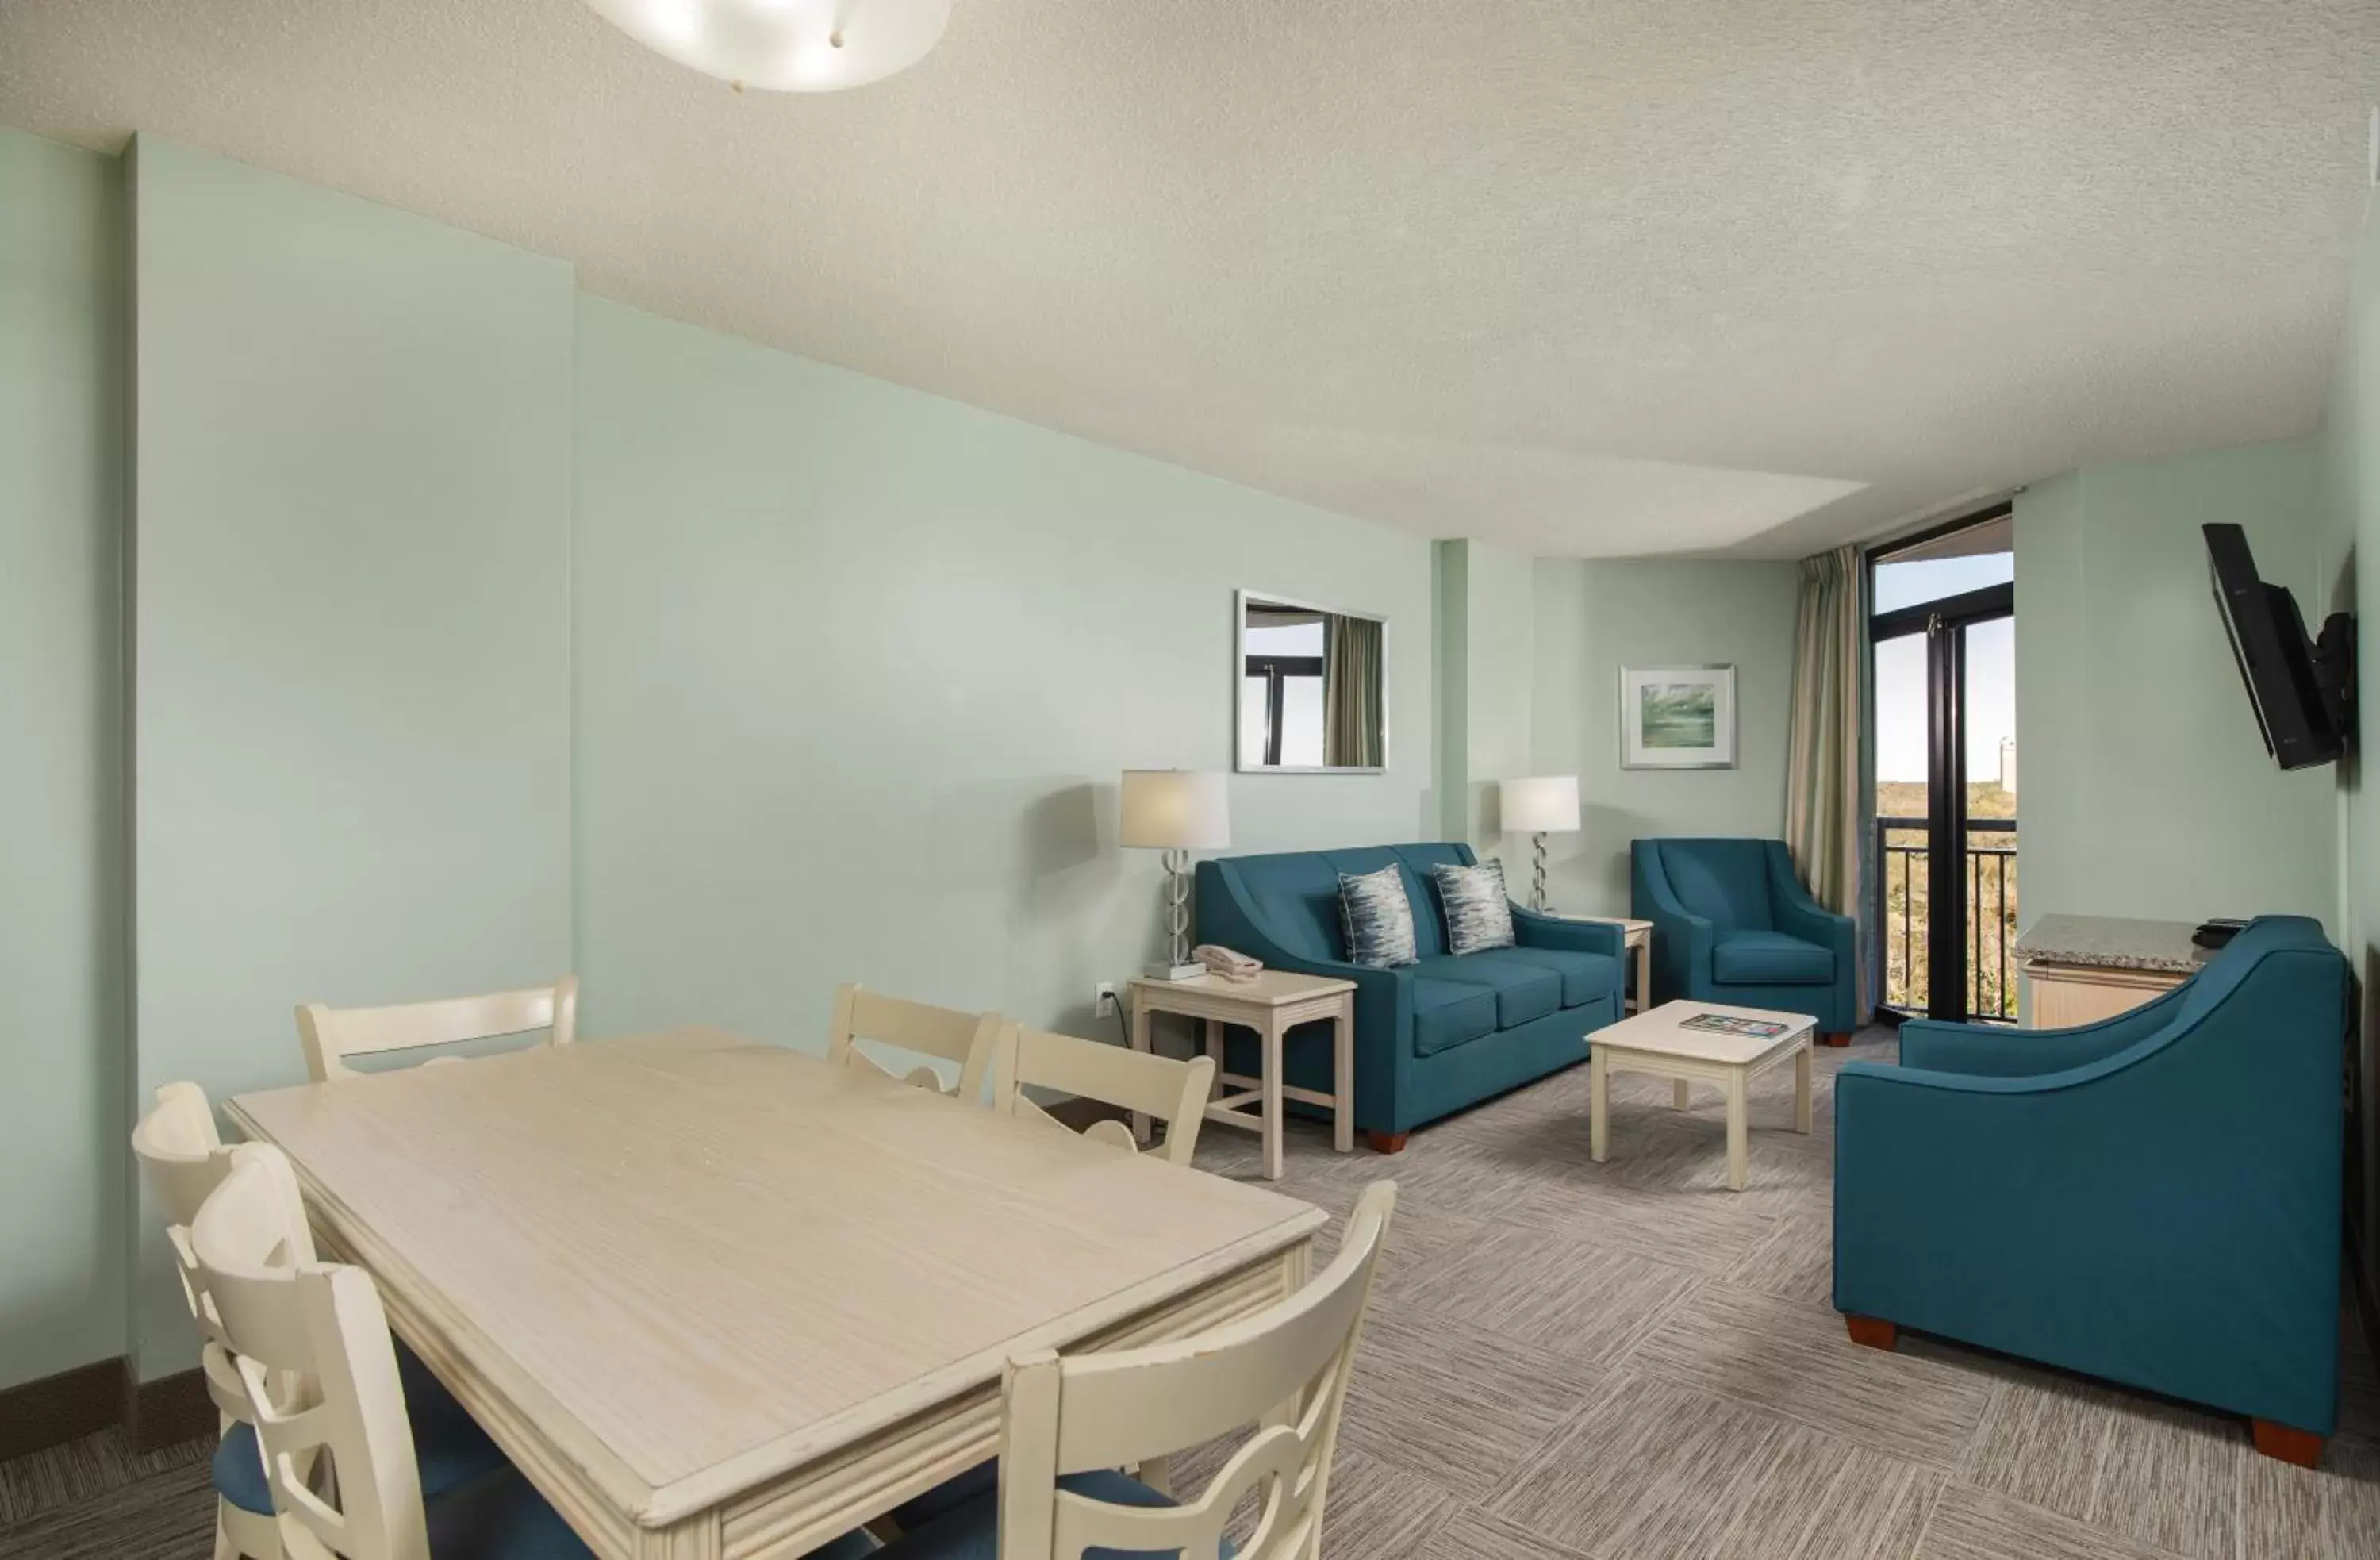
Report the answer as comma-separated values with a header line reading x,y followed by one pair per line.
x,y
1544,804
1175,810
785,45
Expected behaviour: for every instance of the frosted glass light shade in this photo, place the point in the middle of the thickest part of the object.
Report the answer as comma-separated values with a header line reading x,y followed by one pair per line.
x,y
1544,804
785,45
1175,810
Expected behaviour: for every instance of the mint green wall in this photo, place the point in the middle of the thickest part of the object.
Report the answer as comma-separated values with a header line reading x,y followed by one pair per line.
x,y
2350,447
351,532
1593,616
855,669
2146,789
1450,688
1485,679
61,780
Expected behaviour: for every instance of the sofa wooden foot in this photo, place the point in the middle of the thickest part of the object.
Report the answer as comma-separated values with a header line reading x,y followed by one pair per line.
x,y
1873,1332
1386,1142
1838,1038
2287,1444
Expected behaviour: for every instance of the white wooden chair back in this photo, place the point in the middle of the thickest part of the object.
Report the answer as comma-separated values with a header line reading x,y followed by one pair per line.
x,y
1285,1371
311,1344
965,1038
183,1159
330,1035
1174,1091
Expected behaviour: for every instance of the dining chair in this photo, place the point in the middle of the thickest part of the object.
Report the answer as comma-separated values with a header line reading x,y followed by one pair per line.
x,y
1071,1422
1174,1091
330,1035
965,1038
311,1344
184,1159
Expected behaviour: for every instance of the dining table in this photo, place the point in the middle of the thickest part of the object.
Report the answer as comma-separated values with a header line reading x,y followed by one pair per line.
x,y
718,1297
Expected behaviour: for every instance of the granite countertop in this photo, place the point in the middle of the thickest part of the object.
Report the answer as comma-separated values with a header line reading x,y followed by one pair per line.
x,y
2112,942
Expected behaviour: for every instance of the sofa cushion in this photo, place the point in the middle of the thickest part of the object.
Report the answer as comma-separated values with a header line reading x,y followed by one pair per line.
x,y
1584,977
1447,1013
1770,959
1524,992
1379,923
1478,911
1723,881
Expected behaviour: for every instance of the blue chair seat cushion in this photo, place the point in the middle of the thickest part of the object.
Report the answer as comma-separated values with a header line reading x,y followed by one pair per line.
x,y
1770,959
983,1478
1447,1014
500,1515
1524,992
240,1471
1584,977
972,1532
448,1444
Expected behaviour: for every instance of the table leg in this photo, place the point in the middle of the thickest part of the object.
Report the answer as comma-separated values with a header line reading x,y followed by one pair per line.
x,y
1342,1077
1139,1043
1215,1045
1739,1146
1801,1089
1644,974
1679,1093
1598,1107
1271,1064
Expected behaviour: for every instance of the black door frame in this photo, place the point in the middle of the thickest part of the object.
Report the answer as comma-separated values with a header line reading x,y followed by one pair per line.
x,y
1944,621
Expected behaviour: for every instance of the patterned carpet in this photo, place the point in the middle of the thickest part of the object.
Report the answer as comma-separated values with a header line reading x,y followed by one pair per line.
x,y
1572,1361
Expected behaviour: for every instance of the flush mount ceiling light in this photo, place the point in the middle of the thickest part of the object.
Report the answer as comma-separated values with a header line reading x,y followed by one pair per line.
x,y
785,45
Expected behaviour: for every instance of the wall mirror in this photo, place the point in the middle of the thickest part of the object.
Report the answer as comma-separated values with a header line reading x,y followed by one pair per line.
x,y
1313,686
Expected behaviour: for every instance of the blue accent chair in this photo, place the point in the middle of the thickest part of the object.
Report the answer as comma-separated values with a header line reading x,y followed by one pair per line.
x,y
1431,1038
2154,1199
1731,923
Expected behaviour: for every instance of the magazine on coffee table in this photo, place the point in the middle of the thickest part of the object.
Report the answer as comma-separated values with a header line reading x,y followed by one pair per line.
x,y
1721,1023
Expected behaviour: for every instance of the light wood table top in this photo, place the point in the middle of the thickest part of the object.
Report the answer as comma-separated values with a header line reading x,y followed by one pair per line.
x,y
677,1267
1662,1032
1271,988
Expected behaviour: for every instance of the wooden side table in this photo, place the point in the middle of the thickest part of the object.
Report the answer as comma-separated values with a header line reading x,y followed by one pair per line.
x,y
1638,937
1272,1004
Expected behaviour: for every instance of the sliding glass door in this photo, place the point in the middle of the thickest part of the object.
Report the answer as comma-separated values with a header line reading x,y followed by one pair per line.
x,y
1944,713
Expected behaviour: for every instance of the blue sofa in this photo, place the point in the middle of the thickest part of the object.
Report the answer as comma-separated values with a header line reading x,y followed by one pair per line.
x,y
2154,1199
1733,924
1432,1037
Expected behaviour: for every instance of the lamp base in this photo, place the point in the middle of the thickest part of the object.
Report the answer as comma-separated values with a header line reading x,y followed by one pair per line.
x,y
1163,971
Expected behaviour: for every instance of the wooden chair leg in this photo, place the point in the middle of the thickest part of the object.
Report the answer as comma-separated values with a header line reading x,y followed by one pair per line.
x,y
2287,1444
1386,1142
1874,1332
1840,1039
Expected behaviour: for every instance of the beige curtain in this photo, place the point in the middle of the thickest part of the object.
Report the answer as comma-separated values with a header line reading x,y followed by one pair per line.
x,y
1822,776
1351,692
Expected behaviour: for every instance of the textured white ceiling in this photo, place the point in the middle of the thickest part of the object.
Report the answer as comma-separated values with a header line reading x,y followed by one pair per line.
x,y
1590,276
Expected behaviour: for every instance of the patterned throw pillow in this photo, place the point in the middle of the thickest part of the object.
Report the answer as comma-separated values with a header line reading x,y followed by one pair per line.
x,y
1379,919
1478,911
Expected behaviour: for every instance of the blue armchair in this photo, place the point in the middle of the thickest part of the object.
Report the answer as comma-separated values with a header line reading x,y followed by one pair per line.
x,y
1733,924
2154,1199
1431,1038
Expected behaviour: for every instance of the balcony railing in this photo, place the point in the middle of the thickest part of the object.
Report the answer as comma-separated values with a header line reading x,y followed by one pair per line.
x,y
1903,918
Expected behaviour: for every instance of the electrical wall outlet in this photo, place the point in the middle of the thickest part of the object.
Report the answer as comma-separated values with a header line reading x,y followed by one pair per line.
x,y
1105,996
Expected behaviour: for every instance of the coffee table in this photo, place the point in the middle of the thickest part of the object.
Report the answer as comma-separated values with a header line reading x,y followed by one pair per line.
x,y
1658,1043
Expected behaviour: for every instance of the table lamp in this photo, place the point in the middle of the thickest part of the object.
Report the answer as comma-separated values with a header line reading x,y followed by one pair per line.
x,y
1542,805
1175,811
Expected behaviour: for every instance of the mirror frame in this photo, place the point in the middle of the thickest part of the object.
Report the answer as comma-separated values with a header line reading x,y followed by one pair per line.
x,y
1240,600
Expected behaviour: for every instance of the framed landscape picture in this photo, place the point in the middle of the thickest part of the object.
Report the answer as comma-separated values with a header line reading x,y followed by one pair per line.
x,y
1677,717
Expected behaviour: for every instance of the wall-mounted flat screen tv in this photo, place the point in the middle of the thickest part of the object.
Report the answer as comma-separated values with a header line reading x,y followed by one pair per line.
x,y
2302,690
